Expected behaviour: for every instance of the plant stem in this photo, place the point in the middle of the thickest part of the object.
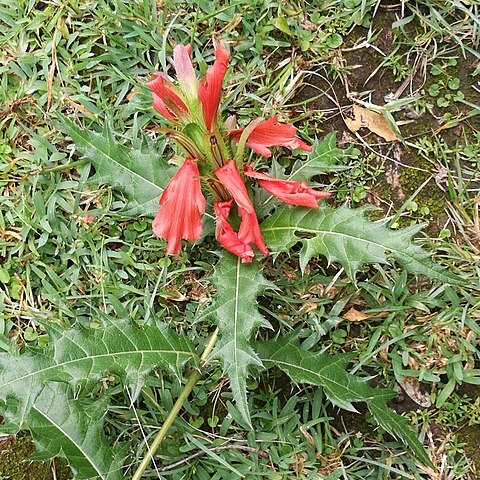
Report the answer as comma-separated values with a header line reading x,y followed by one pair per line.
x,y
63,167
191,382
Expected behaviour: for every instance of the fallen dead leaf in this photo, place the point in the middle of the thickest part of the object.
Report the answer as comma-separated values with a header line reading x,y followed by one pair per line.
x,y
299,464
412,388
354,315
358,117
384,355
131,93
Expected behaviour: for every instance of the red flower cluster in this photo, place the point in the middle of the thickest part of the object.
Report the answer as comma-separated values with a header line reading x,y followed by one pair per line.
x,y
182,202
182,104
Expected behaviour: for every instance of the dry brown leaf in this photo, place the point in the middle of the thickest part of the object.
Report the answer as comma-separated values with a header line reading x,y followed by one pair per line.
x,y
131,94
384,355
51,70
308,307
358,117
309,437
412,388
354,315
232,24
80,108
298,465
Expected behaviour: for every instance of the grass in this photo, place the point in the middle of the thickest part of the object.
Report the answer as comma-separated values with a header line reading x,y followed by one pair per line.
x,y
67,250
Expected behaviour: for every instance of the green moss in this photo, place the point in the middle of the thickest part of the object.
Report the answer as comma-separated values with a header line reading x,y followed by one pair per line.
x,y
430,196
15,465
470,436
420,127
384,192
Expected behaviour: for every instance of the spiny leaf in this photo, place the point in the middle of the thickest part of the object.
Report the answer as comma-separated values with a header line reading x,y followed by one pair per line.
x,y
66,427
235,311
81,356
141,176
325,157
341,387
344,235
318,369
398,427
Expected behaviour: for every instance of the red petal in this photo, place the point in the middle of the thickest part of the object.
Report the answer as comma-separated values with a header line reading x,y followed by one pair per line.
x,y
184,69
249,231
271,133
164,90
160,106
227,237
233,182
210,88
288,191
182,204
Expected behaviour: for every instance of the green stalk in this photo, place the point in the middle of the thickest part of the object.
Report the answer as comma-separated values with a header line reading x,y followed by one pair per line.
x,y
191,382
64,167
238,159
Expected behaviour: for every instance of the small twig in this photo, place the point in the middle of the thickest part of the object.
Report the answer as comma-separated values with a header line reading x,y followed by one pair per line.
x,y
476,221
405,83
334,280
386,157
215,449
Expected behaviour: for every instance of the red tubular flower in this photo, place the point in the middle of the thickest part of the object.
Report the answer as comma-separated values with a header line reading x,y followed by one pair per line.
x,y
270,133
288,191
182,203
210,88
165,100
249,231
226,236
233,182
185,71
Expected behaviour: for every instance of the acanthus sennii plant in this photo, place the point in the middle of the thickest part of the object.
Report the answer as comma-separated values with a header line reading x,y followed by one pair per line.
x,y
48,390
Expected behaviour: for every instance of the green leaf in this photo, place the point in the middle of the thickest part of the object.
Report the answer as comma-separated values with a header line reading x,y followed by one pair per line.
x,y
325,157
443,102
80,356
398,427
434,90
4,275
341,387
320,369
282,25
344,235
141,176
334,40
66,427
454,83
235,311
